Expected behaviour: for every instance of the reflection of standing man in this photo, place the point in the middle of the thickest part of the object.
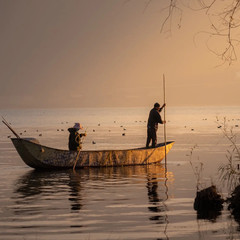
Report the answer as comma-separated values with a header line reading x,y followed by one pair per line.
x,y
152,126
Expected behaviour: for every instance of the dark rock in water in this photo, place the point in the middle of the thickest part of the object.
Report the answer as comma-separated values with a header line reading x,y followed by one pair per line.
x,y
234,203
208,203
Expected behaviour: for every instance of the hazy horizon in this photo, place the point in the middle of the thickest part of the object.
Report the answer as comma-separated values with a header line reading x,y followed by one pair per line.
x,y
90,53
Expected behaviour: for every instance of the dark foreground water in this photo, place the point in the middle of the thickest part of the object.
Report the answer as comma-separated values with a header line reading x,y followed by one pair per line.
x,y
114,203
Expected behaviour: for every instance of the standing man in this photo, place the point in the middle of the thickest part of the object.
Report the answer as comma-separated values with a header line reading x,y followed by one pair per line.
x,y
152,126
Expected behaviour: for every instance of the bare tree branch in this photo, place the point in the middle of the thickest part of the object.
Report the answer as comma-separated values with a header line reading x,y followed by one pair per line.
x,y
147,4
224,20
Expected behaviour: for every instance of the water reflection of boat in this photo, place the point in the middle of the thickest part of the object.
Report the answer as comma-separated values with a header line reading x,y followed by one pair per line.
x,y
35,186
39,156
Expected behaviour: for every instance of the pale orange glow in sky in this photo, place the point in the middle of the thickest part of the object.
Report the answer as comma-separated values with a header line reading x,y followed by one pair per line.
x,y
106,53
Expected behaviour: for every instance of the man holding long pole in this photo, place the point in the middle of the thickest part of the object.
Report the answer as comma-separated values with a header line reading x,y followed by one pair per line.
x,y
153,120
75,140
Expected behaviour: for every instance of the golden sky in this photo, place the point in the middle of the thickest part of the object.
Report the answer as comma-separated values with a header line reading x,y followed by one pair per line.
x,y
108,53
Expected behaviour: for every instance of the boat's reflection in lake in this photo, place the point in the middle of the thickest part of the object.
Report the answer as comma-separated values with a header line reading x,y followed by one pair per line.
x,y
100,200
37,185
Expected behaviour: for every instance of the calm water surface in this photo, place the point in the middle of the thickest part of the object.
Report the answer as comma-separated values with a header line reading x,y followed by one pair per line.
x,y
114,203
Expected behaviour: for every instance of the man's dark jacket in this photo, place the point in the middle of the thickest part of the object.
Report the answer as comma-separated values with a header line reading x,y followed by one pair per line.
x,y
74,139
154,118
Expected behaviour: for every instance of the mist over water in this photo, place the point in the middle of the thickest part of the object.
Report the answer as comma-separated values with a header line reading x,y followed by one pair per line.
x,y
134,202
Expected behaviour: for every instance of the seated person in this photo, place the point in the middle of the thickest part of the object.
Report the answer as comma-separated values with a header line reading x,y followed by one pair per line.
x,y
75,138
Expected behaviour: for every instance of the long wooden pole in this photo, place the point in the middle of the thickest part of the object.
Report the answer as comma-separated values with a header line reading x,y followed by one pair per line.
x,y
75,163
8,125
165,132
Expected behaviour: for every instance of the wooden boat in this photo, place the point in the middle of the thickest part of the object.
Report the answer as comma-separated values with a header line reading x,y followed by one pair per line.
x,y
38,156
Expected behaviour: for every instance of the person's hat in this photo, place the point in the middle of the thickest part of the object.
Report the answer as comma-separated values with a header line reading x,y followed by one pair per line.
x,y
77,126
156,104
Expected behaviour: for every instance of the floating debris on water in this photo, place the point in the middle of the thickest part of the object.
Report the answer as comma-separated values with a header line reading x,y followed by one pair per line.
x,y
93,142
208,203
234,203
